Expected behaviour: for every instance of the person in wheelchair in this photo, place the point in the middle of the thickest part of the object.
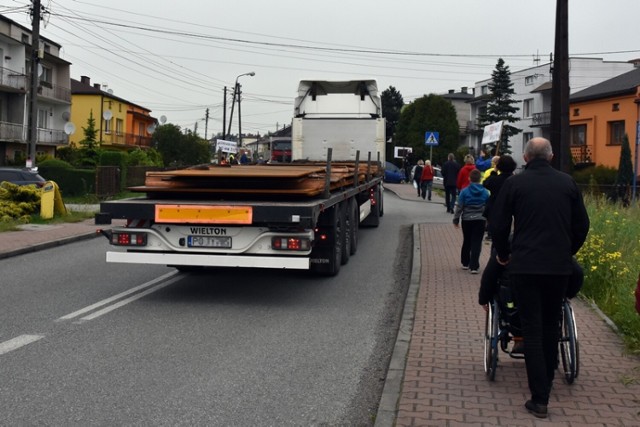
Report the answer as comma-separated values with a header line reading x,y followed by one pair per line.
x,y
494,284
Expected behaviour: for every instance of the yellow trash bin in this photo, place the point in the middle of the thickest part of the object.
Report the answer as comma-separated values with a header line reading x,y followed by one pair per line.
x,y
51,201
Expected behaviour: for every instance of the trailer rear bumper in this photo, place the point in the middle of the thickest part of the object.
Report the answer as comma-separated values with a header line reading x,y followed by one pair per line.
x,y
202,260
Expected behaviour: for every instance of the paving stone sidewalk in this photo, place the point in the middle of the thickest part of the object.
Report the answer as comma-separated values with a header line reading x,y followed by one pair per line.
x,y
444,383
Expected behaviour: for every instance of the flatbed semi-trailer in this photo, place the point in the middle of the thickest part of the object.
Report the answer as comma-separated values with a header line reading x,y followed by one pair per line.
x,y
302,215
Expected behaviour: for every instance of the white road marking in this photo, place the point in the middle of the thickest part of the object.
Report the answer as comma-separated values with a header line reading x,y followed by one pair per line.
x,y
17,342
120,295
128,300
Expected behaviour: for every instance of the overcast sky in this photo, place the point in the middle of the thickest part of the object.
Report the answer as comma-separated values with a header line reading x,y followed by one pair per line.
x,y
175,57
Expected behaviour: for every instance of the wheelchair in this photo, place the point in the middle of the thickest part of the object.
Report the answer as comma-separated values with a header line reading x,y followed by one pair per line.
x,y
502,331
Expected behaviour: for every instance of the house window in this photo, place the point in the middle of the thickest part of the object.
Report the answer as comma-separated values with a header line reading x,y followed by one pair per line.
x,y
576,111
616,132
529,80
107,126
47,48
484,90
527,106
25,38
615,107
119,126
526,136
578,134
43,119
46,77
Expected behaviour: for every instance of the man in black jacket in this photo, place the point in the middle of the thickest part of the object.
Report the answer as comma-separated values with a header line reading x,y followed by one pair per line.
x,y
449,171
550,225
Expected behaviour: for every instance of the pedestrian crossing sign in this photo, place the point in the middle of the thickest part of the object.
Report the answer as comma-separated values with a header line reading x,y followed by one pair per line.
x,y
431,138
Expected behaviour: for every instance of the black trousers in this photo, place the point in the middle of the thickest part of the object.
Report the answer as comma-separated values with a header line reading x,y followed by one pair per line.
x,y
450,193
539,299
472,234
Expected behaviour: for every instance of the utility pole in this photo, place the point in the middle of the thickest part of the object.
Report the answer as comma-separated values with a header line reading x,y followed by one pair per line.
x,y
239,117
233,103
33,91
224,114
560,90
206,123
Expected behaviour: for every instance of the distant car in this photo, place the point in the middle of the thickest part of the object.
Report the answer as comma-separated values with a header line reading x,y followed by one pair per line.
x,y
22,176
393,174
438,181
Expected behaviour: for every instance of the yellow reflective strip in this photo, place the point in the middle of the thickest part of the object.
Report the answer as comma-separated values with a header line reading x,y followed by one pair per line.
x,y
201,214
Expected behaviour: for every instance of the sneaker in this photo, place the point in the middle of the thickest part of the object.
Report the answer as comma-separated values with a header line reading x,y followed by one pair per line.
x,y
465,267
538,410
474,271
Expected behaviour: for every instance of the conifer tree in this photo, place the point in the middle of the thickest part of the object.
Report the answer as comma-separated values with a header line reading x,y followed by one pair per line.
x,y
501,106
624,179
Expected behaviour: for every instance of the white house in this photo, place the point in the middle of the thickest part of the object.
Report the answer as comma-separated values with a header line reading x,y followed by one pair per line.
x,y
532,88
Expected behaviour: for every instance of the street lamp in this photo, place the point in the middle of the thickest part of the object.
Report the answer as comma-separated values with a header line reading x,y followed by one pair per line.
x,y
236,93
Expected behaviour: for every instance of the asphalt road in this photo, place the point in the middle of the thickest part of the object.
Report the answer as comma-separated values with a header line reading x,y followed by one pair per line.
x,y
83,342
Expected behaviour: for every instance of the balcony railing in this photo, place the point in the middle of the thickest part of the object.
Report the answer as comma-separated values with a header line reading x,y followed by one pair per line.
x,y
14,79
138,140
13,132
581,154
541,119
55,92
16,132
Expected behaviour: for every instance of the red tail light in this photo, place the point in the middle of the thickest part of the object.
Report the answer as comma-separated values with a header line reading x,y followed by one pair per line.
x,y
129,239
284,243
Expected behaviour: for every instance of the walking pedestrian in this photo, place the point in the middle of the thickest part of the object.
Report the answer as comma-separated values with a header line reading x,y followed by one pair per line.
x,y
426,180
417,174
505,166
470,208
463,176
450,170
550,224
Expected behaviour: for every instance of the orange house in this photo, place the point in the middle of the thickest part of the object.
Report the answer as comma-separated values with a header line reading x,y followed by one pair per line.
x,y
601,115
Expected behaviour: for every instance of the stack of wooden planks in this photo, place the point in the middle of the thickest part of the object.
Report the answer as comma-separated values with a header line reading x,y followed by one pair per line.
x,y
308,179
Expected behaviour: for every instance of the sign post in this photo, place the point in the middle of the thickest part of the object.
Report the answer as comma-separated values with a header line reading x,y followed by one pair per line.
x,y
431,139
493,133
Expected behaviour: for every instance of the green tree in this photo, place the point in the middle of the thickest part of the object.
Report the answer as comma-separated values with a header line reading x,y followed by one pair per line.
x,y
501,106
429,113
89,152
392,104
180,149
624,179
90,133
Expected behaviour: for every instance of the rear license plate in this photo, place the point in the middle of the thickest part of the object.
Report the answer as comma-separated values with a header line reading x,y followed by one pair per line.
x,y
209,242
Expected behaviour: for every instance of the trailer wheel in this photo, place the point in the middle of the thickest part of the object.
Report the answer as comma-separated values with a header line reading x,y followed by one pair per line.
x,y
353,213
326,257
346,225
381,200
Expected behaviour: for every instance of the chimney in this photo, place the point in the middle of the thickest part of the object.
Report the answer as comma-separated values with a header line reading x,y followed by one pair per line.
x,y
464,89
85,80
97,86
451,91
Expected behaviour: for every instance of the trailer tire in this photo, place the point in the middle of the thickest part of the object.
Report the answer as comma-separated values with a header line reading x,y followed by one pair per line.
x,y
354,215
346,224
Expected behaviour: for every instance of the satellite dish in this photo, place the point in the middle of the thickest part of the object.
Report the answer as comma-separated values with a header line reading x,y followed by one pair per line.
x,y
110,91
107,115
151,128
69,128
40,70
66,116
163,119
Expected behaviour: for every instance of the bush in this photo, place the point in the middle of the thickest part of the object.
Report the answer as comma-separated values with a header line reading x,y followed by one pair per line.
x,y
72,182
18,202
596,180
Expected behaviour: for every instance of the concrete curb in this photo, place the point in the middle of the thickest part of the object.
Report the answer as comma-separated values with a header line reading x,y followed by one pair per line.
x,y
49,244
388,406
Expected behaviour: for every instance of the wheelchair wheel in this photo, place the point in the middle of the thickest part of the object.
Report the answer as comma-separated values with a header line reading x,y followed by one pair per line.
x,y
491,330
569,343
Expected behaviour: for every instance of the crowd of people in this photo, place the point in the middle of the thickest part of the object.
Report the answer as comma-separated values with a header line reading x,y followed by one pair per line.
x,y
536,221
